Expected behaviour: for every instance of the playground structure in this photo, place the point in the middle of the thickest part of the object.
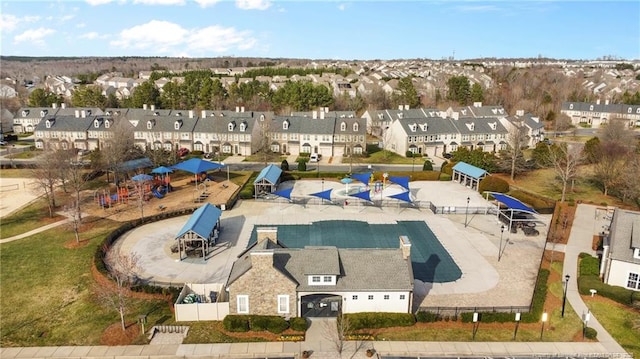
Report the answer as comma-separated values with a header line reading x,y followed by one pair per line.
x,y
135,191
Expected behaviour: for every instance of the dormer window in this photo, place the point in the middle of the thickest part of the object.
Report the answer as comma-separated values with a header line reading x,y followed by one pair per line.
x,y
49,123
43,113
150,124
356,127
262,117
285,125
400,115
108,113
107,123
591,108
231,126
493,125
381,116
177,125
629,109
571,106
413,127
463,112
156,113
424,126
470,126
243,126
25,113
501,111
178,114
638,110
343,126
96,123
88,112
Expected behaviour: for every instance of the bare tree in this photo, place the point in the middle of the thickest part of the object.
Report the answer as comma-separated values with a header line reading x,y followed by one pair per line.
x,y
122,270
262,142
616,143
516,142
45,175
336,332
119,146
565,160
629,185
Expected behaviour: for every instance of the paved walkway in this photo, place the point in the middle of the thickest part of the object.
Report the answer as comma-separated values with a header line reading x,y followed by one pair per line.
x,y
587,223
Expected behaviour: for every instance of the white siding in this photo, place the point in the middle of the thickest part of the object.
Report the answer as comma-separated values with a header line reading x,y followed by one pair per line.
x,y
619,272
378,304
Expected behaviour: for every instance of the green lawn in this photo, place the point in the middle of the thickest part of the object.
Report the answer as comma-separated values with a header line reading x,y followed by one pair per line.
x,y
622,323
389,157
212,332
31,217
46,292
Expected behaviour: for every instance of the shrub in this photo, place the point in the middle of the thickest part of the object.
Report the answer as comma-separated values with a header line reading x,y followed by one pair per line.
x,y
236,323
589,266
428,166
445,177
493,184
302,165
284,165
271,323
197,153
427,317
447,167
298,324
540,204
590,333
616,293
359,321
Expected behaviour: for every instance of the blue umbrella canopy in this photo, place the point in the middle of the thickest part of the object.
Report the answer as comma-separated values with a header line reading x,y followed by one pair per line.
x,y
346,180
142,177
162,170
197,165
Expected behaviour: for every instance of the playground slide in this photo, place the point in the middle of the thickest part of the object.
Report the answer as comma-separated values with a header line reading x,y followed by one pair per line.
x,y
156,193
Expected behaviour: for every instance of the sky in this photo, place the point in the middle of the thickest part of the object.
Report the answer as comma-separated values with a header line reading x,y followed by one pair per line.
x,y
341,30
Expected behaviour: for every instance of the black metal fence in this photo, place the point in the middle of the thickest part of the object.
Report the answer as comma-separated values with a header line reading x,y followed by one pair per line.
x,y
455,311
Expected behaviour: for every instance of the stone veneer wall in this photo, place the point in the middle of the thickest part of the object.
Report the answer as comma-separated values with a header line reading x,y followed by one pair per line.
x,y
263,283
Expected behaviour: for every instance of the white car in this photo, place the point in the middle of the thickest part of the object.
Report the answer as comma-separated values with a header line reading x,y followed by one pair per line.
x,y
314,157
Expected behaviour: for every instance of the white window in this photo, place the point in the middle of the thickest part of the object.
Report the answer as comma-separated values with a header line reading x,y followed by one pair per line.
x,y
226,149
591,108
356,127
386,297
149,125
326,279
370,297
629,110
402,297
285,125
275,148
634,281
243,304
354,297
283,304
177,124
570,106
315,279
230,126
343,126
243,126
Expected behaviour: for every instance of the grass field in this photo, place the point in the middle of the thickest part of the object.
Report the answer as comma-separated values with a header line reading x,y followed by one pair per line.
x,y
31,217
622,323
46,291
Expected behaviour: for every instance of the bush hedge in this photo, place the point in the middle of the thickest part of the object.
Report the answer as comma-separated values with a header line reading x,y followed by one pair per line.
x,y
590,333
298,324
359,321
540,204
589,266
619,294
271,323
427,317
427,166
493,184
534,315
445,177
447,167
247,190
236,323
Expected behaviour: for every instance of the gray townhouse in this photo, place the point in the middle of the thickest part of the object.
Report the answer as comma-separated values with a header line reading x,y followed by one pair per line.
x,y
430,136
27,118
165,129
487,134
229,132
529,123
296,135
63,132
588,114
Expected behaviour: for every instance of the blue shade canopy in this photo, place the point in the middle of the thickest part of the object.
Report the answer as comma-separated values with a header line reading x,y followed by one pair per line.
x,y
404,196
142,177
362,195
469,170
512,203
271,174
346,180
324,194
400,181
285,193
202,221
197,165
362,177
162,170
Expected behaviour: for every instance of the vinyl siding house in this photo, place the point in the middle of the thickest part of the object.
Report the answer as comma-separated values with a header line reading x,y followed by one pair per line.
x,y
63,132
596,114
621,254
349,136
166,129
27,118
534,127
228,132
270,279
297,134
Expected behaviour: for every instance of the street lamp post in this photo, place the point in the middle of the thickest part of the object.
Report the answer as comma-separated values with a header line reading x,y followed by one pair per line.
x,y
515,332
323,189
475,325
544,319
564,296
466,213
413,162
500,248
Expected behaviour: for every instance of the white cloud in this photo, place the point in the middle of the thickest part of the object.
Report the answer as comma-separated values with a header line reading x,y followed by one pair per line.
x,y
342,7
9,22
67,17
253,4
206,3
35,36
159,2
89,35
98,2
81,25
166,37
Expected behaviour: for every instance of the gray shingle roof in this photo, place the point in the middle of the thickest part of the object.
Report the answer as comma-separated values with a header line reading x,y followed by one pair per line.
x,y
625,235
65,123
595,107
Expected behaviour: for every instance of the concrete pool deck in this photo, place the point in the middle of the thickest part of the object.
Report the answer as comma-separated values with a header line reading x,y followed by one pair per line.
x,y
485,280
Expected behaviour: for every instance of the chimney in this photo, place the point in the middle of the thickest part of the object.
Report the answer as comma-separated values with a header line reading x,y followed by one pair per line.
x,y
144,106
400,107
322,115
520,113
606,102
261,260
190,113
63,105
153,107
83,113
77,113
314,115
477,104
455,115
237,108
406,107
54,105
267,233
405,245
203,114
326,109
242,109
597,101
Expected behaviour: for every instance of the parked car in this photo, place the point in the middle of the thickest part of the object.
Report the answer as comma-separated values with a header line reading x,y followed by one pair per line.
x,y
315,157
3,143
183,152
447,155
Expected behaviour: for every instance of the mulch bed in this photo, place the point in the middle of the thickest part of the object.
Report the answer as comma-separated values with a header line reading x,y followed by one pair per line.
x,y
114,335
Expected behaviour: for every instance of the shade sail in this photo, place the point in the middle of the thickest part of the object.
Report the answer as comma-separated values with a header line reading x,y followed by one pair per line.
x,y
285,193
403,196
324,194
400,181
197,165
362,177
162,170
142,177
512,203
366,195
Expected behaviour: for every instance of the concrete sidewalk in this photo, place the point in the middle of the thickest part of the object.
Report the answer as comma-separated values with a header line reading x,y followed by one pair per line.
x,y
586,224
